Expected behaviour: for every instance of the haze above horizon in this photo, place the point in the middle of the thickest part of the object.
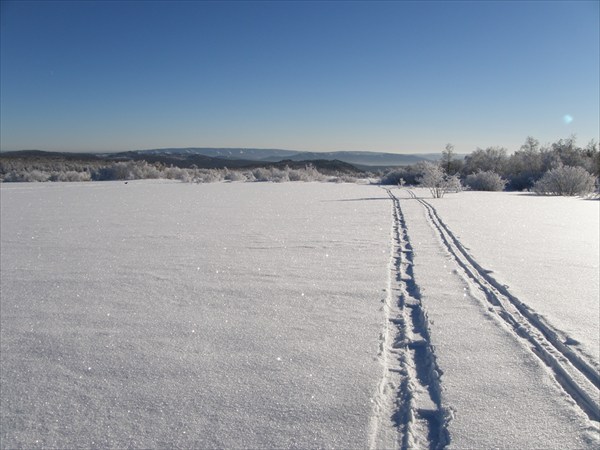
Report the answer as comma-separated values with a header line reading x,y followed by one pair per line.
x,y
398,77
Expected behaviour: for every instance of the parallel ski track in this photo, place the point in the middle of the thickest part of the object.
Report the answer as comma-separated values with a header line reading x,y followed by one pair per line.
x,y
578,377
409,397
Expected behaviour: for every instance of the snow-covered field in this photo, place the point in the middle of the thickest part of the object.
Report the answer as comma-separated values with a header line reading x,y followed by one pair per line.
x,y
546,249
163,315
509,377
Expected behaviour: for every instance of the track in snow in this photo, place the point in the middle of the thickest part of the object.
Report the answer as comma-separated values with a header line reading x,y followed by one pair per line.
x,y
409,411
578,377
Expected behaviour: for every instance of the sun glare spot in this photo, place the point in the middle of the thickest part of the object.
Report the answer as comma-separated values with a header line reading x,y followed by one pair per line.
x,y
567,118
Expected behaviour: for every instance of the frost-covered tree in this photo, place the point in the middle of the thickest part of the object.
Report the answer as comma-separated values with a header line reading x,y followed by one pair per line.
x,y
591,151
435,178
526,165
447,157
409,174
565,180
448,162
492,158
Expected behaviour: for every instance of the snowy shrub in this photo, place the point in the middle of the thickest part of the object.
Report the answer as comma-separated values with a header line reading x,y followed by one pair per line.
x,y
393,177
565,180
261,174
312,174
116,171
234,176
122,171
270,174
71,175
176,173
296,175
438,182
207,176
35,175
279,176
11,177
485,181
308,173
148,171
453,184
343,179
409,174
142,170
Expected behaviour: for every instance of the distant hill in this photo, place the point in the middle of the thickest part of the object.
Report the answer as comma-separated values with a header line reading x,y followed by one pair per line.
x,y
252,154
239,157
34,154
362,159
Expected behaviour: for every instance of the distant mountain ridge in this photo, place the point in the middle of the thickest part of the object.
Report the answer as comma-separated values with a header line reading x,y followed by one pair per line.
x,y
362,158
251,154
208,157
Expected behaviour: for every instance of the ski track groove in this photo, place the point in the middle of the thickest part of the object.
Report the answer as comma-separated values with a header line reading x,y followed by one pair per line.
x,y
578,377
409,398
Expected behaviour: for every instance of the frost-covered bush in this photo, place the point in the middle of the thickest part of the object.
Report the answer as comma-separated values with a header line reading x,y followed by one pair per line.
x,y
453,183
279,176
27,176
485,181
343,179
393,177
207,176
177,173
270,174
11,177
409,174
234,175
296,175
308,173
116,171
142,170
70,175
35,175
131,170
565,180
435,178
312,174
261,174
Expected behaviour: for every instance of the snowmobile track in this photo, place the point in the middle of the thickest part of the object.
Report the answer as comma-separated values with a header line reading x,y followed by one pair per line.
x,y
578,377
409,399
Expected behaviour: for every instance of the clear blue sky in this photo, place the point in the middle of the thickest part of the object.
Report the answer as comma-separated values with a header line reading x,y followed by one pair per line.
x,y
383,76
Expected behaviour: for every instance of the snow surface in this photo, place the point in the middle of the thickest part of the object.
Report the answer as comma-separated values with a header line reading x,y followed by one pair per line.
x,y
157,314
179,315
500,394
546,249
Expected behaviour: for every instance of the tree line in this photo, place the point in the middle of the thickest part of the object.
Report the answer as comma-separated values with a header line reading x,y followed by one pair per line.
x,y
44,170
561,168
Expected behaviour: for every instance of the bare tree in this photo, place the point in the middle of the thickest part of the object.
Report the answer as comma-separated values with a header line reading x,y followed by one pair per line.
x,y
492,158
